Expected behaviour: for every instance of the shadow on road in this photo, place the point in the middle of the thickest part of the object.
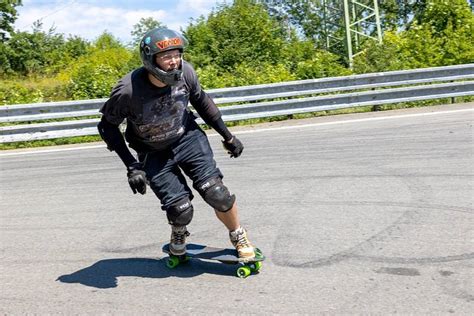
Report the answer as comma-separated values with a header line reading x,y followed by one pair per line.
x,y
104,274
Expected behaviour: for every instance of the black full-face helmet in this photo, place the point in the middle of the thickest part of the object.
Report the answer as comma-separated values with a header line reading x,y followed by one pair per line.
x,y
161,40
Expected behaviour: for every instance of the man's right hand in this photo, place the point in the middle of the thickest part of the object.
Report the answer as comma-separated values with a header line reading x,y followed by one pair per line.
x,y
234,147
136,178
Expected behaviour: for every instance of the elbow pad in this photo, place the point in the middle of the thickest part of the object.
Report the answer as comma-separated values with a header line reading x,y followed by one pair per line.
x,y
110,133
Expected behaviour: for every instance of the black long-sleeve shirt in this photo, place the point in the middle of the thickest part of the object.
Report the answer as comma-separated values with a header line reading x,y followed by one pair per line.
x,y
156,117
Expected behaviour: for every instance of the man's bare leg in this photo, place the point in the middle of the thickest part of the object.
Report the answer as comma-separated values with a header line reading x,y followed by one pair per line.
x,y
230,218
238,235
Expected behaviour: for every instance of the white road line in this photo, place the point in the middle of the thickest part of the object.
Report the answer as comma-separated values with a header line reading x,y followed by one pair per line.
x,y
20,153
352,121
258,130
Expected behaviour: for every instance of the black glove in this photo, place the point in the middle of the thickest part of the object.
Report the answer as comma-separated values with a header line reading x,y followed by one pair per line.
x,y
136,178
234,147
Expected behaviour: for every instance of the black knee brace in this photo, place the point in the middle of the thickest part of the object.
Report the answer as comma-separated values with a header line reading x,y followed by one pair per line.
x,y
216,194
180,213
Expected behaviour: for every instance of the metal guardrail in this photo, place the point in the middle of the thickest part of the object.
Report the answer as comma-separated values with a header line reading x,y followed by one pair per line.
x,y
260,101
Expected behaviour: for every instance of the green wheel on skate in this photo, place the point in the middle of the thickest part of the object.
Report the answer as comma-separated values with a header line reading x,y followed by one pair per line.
x,y
172,262
256,266
243,272
258,253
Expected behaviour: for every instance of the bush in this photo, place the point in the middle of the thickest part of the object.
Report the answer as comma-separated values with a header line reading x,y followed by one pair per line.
x,y
17,93
322,64
94,75
243,75
442,35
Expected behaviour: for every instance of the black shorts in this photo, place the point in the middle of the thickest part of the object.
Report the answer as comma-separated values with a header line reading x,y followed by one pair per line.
x,y
191,155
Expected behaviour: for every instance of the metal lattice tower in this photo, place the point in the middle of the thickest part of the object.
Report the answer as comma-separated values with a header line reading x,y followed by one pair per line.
x,y
348,23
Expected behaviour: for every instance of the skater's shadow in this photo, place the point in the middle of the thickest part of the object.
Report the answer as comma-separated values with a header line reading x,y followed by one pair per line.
x,y
105,273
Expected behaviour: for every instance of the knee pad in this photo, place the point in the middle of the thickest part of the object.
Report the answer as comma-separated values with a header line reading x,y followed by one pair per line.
x,y
180,213
216,194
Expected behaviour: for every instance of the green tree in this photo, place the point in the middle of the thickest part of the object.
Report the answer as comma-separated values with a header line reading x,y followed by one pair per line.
x,y
443,14
76,46
143,26
39,52
29,53
441,34
374,57
239,33
241,44
107,41
398,14
243,74
8,15
94,74
445,26
321,21
306,61
5,53
403,13
304,16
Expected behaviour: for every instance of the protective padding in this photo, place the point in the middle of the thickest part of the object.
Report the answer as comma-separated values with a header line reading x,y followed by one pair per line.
x,y
216,194
110,134
180,213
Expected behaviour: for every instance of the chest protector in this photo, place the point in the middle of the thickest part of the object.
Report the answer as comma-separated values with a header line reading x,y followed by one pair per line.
x,y
160,120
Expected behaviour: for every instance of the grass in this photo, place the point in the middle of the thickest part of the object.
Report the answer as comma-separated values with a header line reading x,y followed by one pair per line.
x,y
50,142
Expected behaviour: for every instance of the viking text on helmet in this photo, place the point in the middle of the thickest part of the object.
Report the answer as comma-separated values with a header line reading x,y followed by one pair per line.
x,y
176,41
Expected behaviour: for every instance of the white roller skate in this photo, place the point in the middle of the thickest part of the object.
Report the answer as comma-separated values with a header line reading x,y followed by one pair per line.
x,y
178,240
242,244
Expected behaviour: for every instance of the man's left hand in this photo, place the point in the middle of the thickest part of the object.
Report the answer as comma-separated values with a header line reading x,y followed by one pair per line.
x,y
234,147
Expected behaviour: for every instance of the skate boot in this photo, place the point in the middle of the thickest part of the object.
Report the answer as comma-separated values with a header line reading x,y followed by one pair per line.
x,y
178,240
242,244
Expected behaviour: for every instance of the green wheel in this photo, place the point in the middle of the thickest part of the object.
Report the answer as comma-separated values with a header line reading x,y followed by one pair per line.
x,y
256,266
172,262
258,253
243,272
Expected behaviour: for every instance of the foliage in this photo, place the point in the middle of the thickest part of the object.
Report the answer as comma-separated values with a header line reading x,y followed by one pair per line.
x,y
32,91
242,43
93,75
39,52
374,57
143,26
307,62
439,14
50,142
106,41
242,75
443,34
398,14
304,16
14,93
308,17
322,64
235,34
8,15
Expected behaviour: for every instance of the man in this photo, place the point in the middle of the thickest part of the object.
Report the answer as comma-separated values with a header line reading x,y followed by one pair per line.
x,y
160,127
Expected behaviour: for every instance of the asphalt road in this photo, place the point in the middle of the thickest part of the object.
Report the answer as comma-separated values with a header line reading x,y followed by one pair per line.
x,y
357,214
